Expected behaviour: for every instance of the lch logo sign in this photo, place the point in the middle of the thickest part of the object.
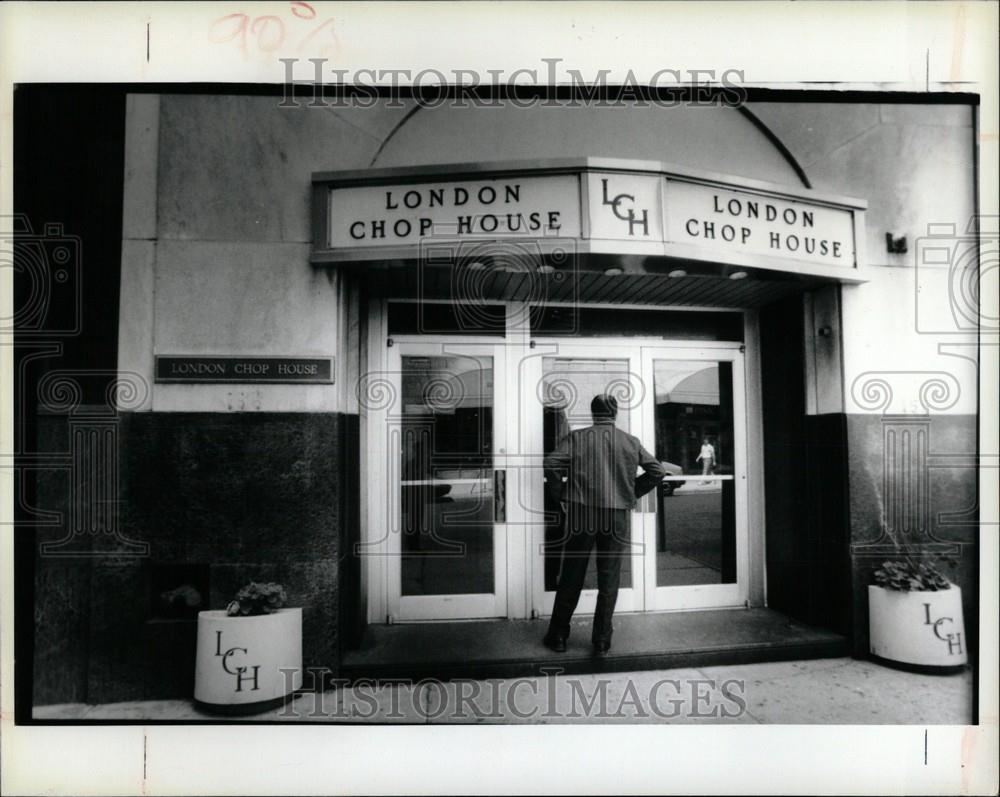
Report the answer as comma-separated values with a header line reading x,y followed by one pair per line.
x,y
629,215
239,672
954,640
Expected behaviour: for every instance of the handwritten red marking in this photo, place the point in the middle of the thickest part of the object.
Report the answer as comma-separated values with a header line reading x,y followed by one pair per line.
x,y
328,25
277,38
240,30
270,32
303,10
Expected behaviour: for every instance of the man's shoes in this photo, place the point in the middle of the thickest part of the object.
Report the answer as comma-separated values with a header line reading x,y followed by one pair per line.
x,y
601,648
556,643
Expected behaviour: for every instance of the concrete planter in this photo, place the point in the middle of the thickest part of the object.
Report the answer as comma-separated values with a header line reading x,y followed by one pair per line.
x,y
240,660
925,629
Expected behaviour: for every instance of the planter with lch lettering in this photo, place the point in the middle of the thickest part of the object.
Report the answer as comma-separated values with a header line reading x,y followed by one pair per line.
x,y
245,662
917,628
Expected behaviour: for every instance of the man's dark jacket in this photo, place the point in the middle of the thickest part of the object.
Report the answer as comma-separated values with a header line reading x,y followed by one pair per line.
x,y
601,463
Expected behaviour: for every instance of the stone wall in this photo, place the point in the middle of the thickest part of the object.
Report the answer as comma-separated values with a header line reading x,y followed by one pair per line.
x,y
925,496
218,500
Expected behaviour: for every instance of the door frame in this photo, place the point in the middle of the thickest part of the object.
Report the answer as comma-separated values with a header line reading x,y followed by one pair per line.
x,y
541,600
646,595
524,362
407,608
703,596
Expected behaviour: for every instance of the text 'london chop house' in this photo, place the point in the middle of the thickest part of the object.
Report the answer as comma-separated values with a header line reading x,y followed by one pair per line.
x,y
484,209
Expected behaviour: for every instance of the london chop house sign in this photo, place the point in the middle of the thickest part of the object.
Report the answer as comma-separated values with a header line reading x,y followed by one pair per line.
x,y
530,207
605,207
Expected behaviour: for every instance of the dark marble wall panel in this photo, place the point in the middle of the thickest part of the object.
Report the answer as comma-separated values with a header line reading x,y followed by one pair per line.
x,y
951,515
805,483
235,497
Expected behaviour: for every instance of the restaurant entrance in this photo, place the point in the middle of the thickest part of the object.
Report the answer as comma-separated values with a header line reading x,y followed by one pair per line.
x,y
457,429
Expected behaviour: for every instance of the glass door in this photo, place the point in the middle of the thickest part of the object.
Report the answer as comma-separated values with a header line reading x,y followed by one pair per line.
x,y
685,402
695,523
447,497
457,523
570,377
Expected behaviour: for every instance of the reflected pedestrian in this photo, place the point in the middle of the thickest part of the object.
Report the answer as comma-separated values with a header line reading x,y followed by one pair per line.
x,y
707,459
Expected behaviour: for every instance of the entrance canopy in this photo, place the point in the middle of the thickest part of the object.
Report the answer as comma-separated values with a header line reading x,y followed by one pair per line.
x,y
587,229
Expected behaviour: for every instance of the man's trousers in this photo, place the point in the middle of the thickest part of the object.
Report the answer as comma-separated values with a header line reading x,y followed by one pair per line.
x,y
589,527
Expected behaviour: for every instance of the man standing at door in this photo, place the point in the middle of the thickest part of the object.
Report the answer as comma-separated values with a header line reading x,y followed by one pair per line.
x,y
600,464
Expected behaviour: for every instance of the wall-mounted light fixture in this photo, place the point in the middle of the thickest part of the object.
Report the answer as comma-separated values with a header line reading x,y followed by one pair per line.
x,y
738,275
895,246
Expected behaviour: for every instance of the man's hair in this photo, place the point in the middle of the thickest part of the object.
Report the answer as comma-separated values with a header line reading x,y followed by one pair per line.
x,y
604,406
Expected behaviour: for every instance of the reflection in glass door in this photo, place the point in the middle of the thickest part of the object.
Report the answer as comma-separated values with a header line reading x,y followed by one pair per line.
x,y
450,488
686,404
453,537
568,385
697,528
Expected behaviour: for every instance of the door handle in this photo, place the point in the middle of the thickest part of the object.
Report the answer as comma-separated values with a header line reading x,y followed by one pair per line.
x,y
500,496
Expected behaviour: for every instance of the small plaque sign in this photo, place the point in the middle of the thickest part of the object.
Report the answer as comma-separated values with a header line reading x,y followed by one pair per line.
x,y
273,370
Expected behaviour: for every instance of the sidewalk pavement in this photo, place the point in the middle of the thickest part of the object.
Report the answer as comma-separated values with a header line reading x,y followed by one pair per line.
x,y
820,691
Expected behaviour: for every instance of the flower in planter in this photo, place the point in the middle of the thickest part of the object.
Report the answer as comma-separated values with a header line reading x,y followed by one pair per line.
x,y
909,575
257,598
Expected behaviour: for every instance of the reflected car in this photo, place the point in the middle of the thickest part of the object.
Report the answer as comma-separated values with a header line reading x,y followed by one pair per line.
x,y
667,488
